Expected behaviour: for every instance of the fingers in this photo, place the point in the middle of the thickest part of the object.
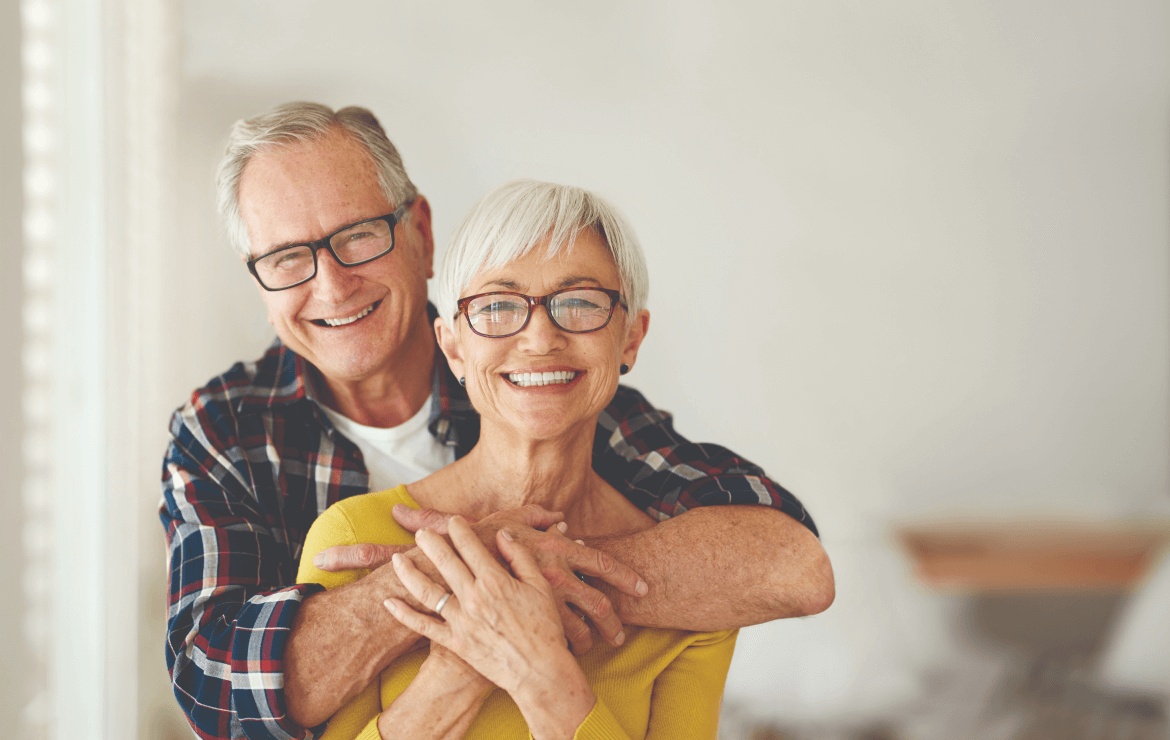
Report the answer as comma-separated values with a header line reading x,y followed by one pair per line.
x,y
519,558
576,630
354,557
538,517
412,520
424,625
446,560
592,603
475,554
427,592
584,559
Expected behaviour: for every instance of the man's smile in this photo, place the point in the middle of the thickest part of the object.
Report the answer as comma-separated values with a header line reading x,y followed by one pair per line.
x,y
348,319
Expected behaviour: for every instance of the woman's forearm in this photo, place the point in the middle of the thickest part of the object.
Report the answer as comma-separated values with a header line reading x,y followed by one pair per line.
x,y
556,700
439,704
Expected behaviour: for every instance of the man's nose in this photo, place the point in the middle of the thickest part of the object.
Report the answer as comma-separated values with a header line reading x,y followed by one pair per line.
x,y
334,282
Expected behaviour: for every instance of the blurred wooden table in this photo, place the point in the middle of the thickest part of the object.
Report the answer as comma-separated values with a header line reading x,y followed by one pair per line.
x,y
1035,555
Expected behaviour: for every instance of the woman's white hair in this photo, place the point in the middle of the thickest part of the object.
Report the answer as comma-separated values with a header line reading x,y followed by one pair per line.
x,y
296,123
512,219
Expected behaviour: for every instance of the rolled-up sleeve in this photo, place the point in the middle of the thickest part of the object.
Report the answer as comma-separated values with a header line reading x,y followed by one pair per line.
x,y
232,601
637,450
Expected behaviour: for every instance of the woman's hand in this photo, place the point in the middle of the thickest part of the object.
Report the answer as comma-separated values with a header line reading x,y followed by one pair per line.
x,y
506,628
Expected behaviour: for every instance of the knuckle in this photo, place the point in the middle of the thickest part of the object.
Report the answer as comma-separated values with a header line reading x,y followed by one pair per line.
x,y
364,555
578,631
600,607
604,563
556,578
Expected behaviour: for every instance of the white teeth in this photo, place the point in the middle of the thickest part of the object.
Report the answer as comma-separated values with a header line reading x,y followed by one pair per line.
x,y
524,380
351,319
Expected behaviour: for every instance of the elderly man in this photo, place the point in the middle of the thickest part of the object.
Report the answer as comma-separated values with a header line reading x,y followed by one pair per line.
x,y
355,397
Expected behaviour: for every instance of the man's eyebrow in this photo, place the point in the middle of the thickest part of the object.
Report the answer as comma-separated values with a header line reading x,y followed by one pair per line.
x,y
282,245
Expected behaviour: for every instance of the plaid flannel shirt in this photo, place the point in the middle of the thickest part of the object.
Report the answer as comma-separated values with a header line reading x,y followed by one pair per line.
x,y
253,461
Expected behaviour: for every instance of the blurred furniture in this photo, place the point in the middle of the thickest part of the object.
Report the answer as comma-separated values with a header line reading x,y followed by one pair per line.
x,y
1008,556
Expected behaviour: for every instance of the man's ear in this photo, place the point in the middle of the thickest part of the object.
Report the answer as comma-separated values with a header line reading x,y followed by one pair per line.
x,y
634,336
449,344
420,220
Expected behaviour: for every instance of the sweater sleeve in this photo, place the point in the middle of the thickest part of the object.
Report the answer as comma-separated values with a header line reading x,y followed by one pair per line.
x,y
689,694
686,699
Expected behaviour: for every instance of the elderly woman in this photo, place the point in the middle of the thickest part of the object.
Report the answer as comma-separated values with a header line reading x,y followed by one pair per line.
x,y
541,300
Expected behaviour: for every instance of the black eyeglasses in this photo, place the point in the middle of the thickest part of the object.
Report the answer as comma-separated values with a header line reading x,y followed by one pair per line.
x,y
356,244
575,310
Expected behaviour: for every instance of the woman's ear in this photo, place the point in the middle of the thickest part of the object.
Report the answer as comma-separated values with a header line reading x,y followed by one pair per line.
x,y
449,344
634,336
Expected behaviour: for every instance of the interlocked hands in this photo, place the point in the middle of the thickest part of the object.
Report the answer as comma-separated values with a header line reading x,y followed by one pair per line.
x,y
557,558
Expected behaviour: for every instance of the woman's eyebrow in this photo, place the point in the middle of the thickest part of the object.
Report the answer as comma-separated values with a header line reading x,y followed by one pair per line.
x,y
577,280
504,283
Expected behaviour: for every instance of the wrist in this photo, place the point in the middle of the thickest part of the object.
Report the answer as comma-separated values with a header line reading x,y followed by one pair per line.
x,y
554,703
452,672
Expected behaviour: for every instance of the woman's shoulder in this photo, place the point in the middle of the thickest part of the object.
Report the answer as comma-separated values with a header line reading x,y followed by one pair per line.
x,y
365,514
364,519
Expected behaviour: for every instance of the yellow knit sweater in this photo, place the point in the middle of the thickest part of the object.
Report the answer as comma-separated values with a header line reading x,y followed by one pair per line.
x,y
659,685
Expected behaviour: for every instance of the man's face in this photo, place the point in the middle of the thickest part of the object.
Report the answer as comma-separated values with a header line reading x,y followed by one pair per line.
x,y
301,193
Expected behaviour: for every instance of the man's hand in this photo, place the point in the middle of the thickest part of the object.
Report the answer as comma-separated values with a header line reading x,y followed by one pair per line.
x,y
560,560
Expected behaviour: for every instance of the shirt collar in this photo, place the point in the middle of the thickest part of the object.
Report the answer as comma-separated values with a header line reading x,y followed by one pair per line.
x,y
283,378
280,379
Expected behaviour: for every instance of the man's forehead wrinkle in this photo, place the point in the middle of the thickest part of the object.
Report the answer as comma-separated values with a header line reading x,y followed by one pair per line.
x,y
322,179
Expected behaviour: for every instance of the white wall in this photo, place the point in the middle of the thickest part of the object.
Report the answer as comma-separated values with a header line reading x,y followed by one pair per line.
x,y
909,256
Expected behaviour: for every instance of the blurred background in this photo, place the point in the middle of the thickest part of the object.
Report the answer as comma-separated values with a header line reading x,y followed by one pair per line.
x,y
911,257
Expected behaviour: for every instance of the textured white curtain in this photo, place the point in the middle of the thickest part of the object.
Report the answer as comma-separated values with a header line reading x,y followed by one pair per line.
x,y
98,103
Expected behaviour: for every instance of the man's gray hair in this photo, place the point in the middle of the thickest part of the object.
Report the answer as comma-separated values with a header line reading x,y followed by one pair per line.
x,y
296,123
512,219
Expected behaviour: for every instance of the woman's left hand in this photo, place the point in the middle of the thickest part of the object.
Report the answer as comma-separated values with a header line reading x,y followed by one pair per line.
x,y
506,628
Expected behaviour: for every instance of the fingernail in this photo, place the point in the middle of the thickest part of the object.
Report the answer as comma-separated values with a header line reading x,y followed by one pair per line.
x,y
641,588
504,533
562,527
319,560
621,637
390,606
579,542
396,558
399,508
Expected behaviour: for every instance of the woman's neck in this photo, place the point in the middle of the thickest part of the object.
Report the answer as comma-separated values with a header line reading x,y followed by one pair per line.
x,y
506,470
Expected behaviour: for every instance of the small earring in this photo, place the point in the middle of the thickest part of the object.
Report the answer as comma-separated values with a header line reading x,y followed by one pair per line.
x,y
624,369
463,382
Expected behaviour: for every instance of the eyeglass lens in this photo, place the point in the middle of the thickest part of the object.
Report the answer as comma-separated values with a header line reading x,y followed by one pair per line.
x,y
580,310
359,243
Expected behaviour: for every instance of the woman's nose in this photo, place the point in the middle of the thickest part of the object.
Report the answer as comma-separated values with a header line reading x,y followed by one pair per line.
x,y
542,336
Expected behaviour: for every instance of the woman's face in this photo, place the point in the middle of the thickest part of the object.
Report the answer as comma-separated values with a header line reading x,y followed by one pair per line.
x,y
591,360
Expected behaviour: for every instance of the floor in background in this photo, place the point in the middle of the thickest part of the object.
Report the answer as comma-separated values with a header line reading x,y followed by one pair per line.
x,y
1026,673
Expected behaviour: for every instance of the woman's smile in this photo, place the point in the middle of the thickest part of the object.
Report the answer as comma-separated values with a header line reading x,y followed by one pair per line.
x,y
543,378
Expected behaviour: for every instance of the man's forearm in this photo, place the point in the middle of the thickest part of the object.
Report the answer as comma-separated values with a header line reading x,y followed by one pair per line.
x,y
341,639
721,567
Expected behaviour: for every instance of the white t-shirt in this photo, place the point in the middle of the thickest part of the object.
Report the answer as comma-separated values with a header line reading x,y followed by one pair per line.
x,y
398,455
